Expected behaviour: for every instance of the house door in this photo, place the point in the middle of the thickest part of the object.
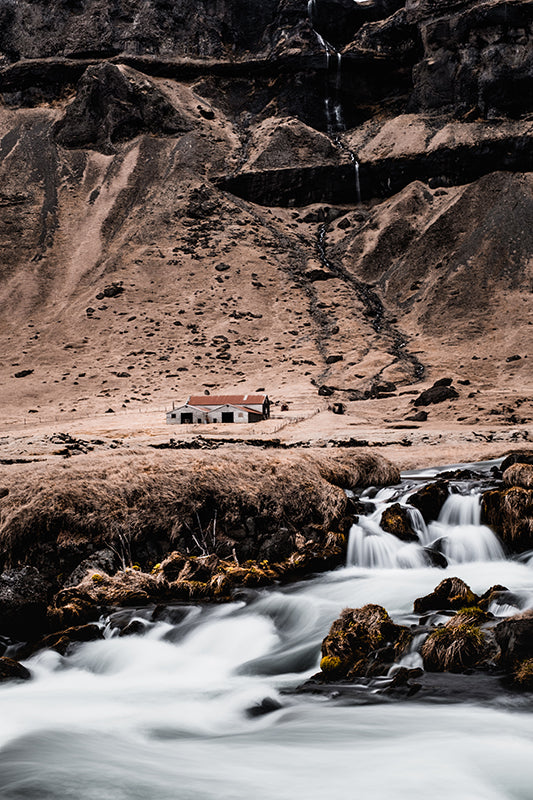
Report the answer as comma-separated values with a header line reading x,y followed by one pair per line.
x,y
186,418
227,416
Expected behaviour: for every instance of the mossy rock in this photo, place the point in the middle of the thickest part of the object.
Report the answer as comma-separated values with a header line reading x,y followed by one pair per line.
x,y
430,499
509,512
523,676
451,593
362,641
395,519
455,647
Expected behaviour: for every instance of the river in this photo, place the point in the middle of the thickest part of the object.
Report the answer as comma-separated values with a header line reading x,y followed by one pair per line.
x,y
200,704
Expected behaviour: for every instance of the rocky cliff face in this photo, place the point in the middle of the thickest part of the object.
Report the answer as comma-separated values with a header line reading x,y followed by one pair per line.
x,y
335,194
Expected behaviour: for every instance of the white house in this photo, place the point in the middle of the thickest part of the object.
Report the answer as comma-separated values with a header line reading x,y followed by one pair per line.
x,y
221,408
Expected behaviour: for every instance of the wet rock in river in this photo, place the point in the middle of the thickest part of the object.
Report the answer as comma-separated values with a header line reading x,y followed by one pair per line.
x,y
458,645
509,512
519,474
430,499
515,638
451,593
362,641
11,670
395,519
518,457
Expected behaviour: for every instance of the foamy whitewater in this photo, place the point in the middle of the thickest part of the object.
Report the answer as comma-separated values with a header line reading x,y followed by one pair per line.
x,y
173,713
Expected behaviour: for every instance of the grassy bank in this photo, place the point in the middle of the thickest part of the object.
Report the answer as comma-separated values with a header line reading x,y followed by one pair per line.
x,y
251,505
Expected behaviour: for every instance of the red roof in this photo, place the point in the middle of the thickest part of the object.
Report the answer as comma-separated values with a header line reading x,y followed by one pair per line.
x,y
227,399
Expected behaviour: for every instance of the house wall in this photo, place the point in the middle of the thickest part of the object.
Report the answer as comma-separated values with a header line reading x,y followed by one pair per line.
x,y
174,416
238,415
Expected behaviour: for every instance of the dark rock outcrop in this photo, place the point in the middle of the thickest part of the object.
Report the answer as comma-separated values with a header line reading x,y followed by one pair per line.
x,y
23,602
115,103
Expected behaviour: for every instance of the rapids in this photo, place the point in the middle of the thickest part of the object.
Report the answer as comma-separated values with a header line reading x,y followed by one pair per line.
x,y
201,704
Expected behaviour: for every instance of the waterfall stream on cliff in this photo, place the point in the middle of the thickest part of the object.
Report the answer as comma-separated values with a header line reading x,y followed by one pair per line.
x,y
201,703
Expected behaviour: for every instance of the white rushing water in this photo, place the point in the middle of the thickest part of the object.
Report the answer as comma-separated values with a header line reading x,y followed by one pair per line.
x,y
165,715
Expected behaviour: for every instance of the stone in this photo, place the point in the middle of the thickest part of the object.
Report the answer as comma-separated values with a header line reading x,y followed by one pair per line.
x,y
11,670
436,394
420,416
338,408
457,646
23,603
451,593
104,560
334,359
518,457
114,103
509,512
519,475
362,641
430,499
395,519
325,391
515,638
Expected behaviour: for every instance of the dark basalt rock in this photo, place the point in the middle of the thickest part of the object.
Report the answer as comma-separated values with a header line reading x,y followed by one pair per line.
x,y
11,670
362,641
451,593
395,519
113,104
515,638
519,457
430,499
436,394
519,475
23,602
509,512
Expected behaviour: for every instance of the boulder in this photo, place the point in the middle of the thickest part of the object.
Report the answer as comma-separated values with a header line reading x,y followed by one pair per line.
x,y
451,593
362,642
113,104
509,512
23,603
518,457
395,519
515,638
436,394
458,645
430,499
519,474
104,560
11,670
